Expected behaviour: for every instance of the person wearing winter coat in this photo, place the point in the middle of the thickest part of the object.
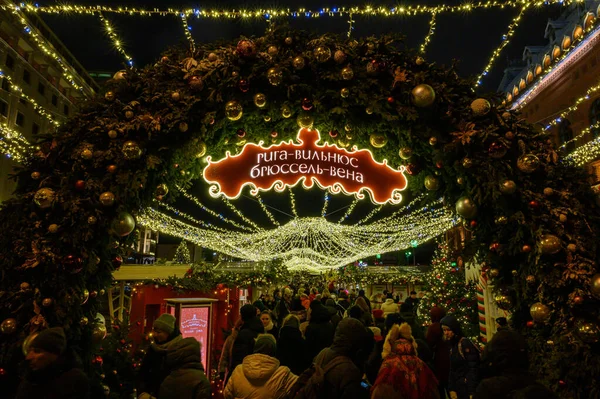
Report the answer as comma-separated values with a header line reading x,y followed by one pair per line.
x,y
389,306
260,375
244,343
226,351
343,303
153,370
464,360
291,347
402,370
367,317
440,348
351,345
378,319
361,294
284,305
333,309
319,332
266,319
53,370
186,378
505,370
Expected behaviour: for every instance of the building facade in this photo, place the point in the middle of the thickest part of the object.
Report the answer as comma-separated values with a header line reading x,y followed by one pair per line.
x,y
553,85
41,82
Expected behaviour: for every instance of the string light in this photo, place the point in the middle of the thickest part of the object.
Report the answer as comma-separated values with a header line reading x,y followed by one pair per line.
x,y
110,31
238,212
292,202
313,242
587,152
555,69
184,215
505,40
325,204
18,91
350,25
266,211
370,215
187,29
14,145
429,34
349,210
573,107
211,212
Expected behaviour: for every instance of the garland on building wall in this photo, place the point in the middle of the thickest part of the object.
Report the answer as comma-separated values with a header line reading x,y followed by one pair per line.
x,y
535,219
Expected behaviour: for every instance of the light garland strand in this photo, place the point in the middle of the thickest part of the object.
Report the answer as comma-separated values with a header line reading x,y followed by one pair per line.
x,y
325,203
210,211
239,213
184,215
349,210
14,145
350,25
366,10
505,40
266,211
293,202
370,215
110,31
573,107
187,29
18,91
521,100
587,152
430,34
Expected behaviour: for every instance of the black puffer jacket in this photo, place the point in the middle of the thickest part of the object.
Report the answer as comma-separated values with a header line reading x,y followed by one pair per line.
x,y
187,378
153,370
244,343
63,380
291,350
319,332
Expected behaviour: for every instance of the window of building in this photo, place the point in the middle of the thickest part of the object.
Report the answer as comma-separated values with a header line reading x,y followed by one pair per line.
x,y
35,129
41,88
3,108
26,76
54,100
5,84
565,134
66,110
10,61
20,119
595,116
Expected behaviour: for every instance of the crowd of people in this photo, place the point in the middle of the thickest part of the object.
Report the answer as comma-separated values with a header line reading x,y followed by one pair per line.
x,y
311,343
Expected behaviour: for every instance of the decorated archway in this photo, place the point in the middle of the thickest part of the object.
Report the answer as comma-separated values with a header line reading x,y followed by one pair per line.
x,y
462,159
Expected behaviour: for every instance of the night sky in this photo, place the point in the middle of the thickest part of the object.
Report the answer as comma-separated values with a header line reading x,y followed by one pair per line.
x,y
469,38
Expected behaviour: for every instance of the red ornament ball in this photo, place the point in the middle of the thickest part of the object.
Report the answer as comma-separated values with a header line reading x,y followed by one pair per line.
x,y
534,204
117,261
73,264
391,100
80,185
494,246
530,324
244,86
473,224
307,104
274,134
439,164
241,132
578,300
413,169
246,49
333,133
2,371
526,248
122,342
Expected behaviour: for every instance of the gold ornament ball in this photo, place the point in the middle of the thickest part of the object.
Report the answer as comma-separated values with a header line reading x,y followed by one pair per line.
x,y
348,128
98,333
35,175
588,332
129,114
92,220
298,63
419,60
432,183
528,163
562,218
467,163
201,150
272,51
212,57
494,273
24,286
289,41
571,247
423,95
44,197
110,96
405,152
107,198
260,100
53,228
369,110
267,118
183,127
286,111
540,313
112,134
233,110
322,54
550,244
345,92
480,107
460,181
595,285
175,96
508,187
343,143
339,56
530,279
124,224
433,141
378,140
111,168
347,73
514,272
87,154
47,302
506,115
305,121
8,326
131,150
466,208
275,76
162,189
504,301
120,75
548,191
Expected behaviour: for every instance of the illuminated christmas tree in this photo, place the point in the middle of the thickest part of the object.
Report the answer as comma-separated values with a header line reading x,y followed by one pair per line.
x,y
182,254
447,287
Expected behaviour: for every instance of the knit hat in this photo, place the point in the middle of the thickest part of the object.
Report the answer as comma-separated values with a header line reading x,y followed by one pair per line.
x,y
378,314
52,340
247,312
265,344
376,333
165,322
450,321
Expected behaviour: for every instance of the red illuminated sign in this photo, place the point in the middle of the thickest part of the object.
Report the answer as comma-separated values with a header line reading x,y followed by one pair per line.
x,y
195,323
287,164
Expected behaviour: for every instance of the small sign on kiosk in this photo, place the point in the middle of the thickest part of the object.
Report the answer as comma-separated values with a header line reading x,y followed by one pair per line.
x,y
194,317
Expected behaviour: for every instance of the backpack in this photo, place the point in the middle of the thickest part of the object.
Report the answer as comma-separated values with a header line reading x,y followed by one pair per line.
x,y
311,382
